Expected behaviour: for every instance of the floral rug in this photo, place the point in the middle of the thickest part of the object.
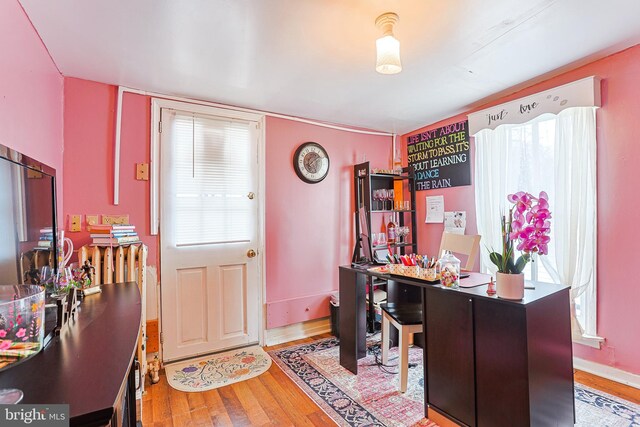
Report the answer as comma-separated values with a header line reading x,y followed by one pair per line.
x,y
217,370
371,398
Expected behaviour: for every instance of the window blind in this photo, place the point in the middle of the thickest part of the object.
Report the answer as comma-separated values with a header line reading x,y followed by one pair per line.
x,y
212,175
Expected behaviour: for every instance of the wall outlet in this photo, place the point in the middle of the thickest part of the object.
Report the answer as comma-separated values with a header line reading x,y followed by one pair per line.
x,y
115,219
92,219
142,171
75,223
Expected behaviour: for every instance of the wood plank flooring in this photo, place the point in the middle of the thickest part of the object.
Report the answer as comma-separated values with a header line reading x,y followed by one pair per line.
x,y
621,390
272,399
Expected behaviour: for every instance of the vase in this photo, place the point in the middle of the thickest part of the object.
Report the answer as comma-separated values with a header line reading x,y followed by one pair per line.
x,y
510,286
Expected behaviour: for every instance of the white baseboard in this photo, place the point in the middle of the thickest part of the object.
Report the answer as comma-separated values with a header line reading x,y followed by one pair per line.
x,y
608,372
297,331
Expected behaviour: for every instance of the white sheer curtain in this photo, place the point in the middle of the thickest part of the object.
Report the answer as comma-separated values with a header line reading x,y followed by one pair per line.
x,y
557,154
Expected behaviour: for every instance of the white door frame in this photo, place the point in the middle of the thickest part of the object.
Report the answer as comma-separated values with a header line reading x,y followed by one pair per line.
x,y
156,105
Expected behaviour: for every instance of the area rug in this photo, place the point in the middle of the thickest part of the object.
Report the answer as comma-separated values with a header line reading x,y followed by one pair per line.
x,y
371,397
217,370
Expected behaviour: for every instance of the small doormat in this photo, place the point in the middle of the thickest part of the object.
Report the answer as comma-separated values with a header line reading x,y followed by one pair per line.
x,y
372,398
217,370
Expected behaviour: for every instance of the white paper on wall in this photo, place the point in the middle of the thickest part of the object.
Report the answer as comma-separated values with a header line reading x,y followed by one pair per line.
x,y
435,209
455,222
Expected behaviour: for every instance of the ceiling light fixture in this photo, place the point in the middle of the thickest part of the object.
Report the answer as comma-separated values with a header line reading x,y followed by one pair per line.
x,y
387,46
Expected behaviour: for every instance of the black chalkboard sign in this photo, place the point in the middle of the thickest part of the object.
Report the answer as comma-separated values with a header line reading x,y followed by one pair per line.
x,y
440,157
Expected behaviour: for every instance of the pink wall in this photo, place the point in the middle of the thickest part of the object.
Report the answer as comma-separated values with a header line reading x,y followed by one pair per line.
x,y
618,156
30,92
310,226
89,129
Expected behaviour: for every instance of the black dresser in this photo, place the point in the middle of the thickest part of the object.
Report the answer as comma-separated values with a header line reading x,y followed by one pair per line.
x,y
90,366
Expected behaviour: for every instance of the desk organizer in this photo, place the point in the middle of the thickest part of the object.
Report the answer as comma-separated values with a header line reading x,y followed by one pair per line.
x,y
414,271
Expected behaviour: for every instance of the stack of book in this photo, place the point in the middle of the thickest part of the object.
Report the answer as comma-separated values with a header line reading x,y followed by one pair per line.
x,y
113,235
46,239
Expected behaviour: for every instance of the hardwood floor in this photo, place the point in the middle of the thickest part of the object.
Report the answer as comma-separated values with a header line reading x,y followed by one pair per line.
x,y
272,399
624,391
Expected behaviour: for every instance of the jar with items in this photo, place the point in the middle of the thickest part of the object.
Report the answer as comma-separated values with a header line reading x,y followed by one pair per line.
x,y
449,270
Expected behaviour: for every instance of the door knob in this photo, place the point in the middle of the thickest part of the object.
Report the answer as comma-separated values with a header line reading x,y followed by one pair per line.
x,y
251,195
251,253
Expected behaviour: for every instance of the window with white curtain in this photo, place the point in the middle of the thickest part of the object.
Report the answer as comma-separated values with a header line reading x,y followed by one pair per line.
x,y
556,154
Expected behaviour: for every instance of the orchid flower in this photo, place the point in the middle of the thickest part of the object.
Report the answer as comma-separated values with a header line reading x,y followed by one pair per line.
x,y
528,226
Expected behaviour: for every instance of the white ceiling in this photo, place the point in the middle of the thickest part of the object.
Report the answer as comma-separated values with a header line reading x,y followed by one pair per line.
x,y
315,58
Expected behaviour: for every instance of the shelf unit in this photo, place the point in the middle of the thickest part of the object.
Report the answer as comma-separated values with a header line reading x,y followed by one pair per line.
x,y
365,183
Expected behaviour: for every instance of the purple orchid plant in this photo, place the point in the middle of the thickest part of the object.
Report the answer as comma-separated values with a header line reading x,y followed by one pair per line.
x,y
528,226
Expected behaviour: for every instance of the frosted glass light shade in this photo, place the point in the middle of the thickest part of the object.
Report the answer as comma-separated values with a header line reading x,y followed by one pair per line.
x,y
388,55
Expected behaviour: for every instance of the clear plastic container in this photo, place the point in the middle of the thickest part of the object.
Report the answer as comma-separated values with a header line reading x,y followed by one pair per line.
x,y
21,323
449,267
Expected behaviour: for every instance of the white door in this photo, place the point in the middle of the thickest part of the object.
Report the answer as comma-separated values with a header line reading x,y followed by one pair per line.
x,y
209,233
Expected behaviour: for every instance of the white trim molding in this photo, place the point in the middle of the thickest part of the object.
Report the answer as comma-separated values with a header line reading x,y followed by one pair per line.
x,y
581,93
608,372
262,226
116,148
297,331
589,341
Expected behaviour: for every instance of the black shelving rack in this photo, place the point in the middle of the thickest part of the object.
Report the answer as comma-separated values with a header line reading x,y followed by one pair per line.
x,y
365,183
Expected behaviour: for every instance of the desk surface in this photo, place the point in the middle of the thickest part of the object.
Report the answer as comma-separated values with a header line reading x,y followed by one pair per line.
x,y
87,364
542,290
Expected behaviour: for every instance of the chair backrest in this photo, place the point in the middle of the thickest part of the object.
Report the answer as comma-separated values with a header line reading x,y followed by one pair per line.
x,y
461,244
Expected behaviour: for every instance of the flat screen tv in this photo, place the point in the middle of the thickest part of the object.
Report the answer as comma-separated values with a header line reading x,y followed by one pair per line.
x,y
28,223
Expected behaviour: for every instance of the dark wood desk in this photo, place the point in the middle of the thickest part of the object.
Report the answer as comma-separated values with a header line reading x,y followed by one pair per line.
x,y
90,365
487,361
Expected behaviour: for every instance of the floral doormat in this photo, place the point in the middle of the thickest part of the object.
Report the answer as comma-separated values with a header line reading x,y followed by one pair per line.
x,y
371,398
217,370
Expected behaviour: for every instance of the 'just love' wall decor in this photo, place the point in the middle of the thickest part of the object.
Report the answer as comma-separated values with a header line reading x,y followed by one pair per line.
x,y
440,157
581,93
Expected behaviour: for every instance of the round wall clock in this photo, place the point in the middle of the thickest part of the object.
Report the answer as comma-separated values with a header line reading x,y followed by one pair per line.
x,y
311,162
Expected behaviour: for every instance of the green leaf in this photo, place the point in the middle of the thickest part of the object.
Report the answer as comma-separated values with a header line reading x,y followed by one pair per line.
x,y
508,258
522,262
511,267
496,258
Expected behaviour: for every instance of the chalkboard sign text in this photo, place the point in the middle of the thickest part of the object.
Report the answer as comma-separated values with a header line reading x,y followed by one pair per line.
x,y
440,157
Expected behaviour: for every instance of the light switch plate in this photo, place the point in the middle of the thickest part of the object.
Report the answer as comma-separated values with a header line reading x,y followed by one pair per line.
x,y
92,219
75,224
142,171
115,219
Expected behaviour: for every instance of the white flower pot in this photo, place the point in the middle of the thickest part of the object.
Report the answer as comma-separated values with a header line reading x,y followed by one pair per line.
x,y
510,286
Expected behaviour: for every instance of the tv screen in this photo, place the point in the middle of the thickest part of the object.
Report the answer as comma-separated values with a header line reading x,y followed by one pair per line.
x,y
27,219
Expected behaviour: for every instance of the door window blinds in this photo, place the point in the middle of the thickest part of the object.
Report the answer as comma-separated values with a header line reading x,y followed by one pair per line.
x,y
213,172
